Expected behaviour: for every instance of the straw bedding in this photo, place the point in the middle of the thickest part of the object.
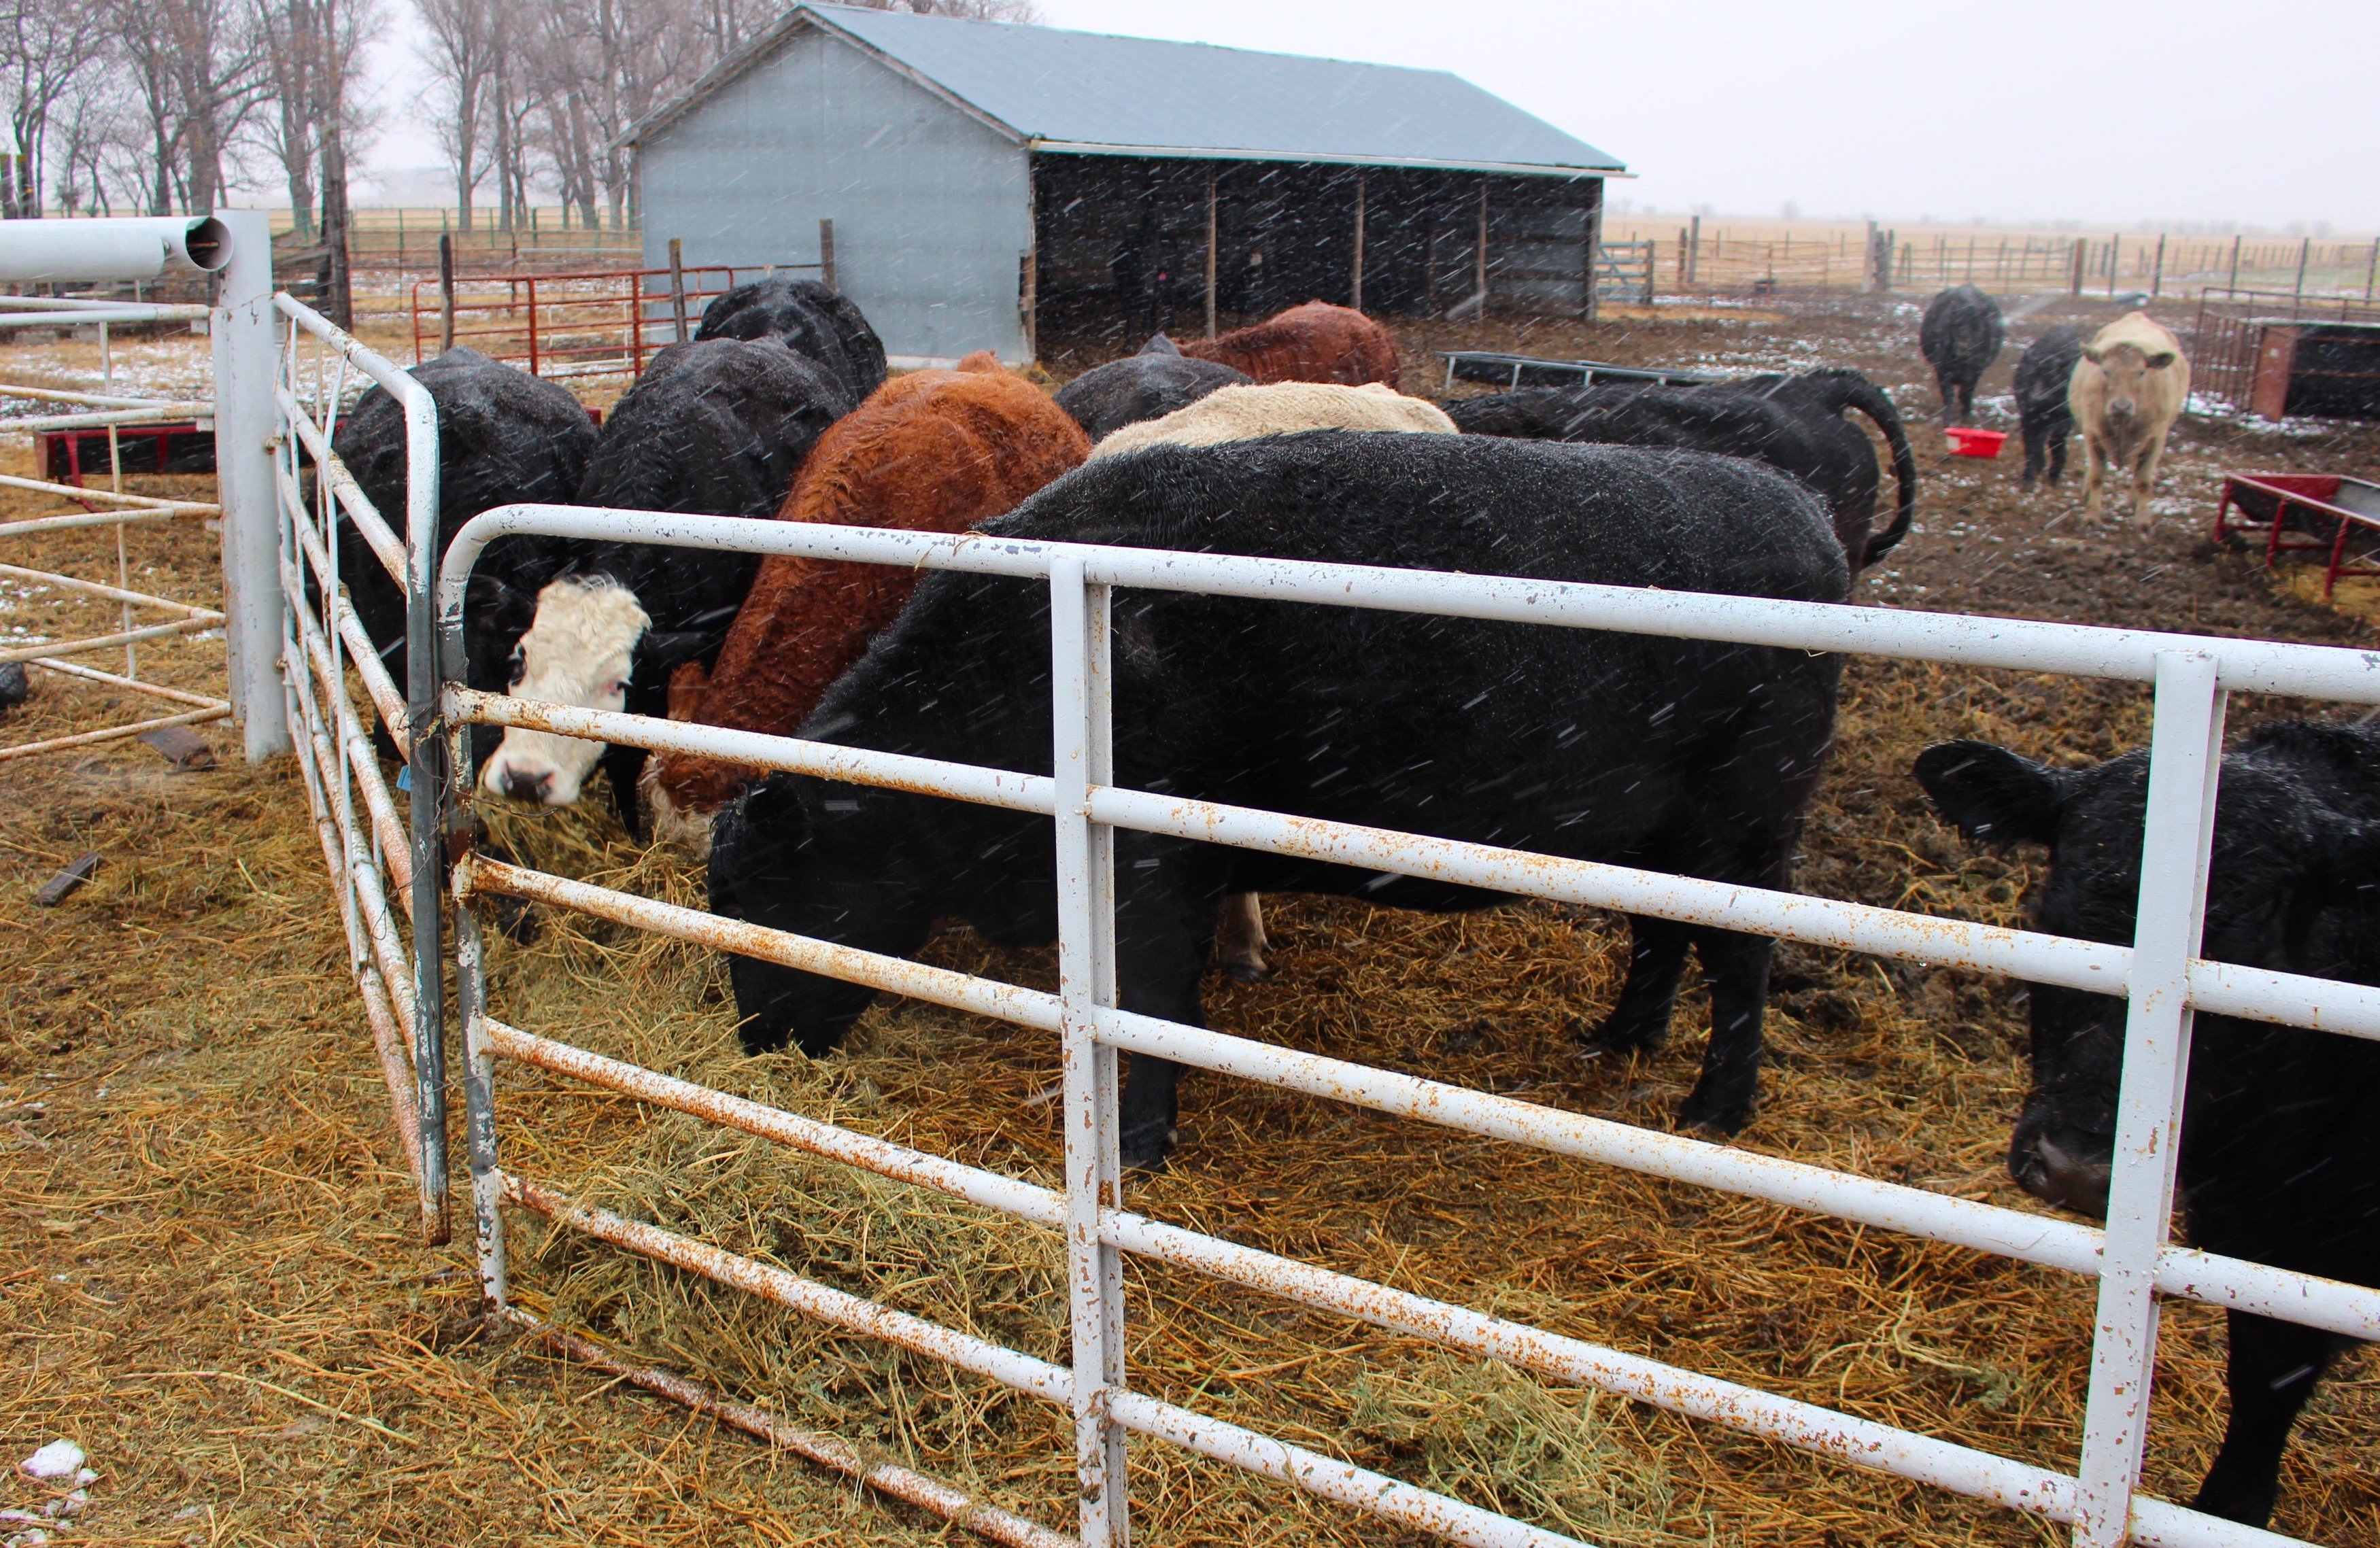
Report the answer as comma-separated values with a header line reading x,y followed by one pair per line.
x,y
253,1210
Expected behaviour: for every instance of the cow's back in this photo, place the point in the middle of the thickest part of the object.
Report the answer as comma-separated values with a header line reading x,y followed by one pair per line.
x,y
1381,716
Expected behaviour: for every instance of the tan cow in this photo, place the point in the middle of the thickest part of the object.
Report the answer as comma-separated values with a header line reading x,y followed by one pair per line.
x,y
2126,393
1250,413
1279,408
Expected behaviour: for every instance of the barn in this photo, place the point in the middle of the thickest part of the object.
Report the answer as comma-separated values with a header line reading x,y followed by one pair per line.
x,y
1027,189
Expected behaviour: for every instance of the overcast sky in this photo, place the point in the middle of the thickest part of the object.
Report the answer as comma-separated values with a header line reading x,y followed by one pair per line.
x,y
2108,112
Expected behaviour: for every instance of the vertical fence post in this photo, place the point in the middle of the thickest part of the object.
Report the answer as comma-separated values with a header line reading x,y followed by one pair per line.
x,y
470,1009
445,293
826,254
532,326
2305,251
2074,284
1080,754
2233,283
2157,274
677,288
240,337
1695,251
2185,756
428,770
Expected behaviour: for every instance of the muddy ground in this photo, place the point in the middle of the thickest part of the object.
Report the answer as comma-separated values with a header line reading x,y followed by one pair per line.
x,y
207,1279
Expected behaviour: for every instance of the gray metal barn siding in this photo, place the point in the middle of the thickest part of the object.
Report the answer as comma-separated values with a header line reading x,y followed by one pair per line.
x,y
913,132
930,204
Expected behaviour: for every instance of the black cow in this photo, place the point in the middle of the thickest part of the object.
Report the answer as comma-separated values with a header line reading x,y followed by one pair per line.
x,y
1673,755
2043,375
504,436
1794,423
719,427
824,326
1960,336
2280,1140
1148,385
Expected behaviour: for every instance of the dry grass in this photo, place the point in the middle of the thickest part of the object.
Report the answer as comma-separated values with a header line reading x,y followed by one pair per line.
x,y
212,1174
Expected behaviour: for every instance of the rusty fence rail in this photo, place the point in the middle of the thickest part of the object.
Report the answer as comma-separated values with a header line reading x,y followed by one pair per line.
x,y
2160,974
606,322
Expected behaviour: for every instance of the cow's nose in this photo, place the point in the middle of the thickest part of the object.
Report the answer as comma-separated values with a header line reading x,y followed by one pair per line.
x,y
2120,408
523,784
2055,1175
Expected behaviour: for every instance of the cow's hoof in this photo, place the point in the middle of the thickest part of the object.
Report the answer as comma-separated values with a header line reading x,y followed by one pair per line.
x,y
1248,972
1145,1149
1717,1119
1615,1036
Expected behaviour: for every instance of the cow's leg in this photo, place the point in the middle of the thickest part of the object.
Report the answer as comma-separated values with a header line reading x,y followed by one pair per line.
x,y
1736,967
1240,938
2273,1370
622,766
2094,473
1949,397
2035,443
1165,926
2058,437
2144,479
1640,1018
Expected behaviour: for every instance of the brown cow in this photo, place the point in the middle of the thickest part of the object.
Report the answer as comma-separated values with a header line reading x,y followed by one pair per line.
x,y
933,451
1317,342
2126,393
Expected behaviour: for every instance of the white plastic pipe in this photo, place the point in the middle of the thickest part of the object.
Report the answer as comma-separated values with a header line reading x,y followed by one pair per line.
x,y
136,248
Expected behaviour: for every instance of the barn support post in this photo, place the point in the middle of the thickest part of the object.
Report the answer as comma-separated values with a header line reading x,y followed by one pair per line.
x,y
1029,300
2185,756
240,336
1355,259
1479,287
1594,251
1211,255
445,292
677,286
1082,752
826,254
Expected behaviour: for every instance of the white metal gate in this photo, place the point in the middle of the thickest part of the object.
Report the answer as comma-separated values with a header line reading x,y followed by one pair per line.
x,y
379,854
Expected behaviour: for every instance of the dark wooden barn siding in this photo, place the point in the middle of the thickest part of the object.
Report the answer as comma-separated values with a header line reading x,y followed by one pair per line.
x,y
1120,242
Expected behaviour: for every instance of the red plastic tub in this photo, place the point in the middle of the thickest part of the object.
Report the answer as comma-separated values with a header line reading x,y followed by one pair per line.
x,y
1968,441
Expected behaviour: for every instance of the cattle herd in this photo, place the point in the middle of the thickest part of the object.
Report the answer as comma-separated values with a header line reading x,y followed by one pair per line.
x,y
1290,439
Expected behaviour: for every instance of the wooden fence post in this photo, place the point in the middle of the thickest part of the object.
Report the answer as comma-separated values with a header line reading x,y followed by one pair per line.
x,y
2157,274
677,288
446,291
826,254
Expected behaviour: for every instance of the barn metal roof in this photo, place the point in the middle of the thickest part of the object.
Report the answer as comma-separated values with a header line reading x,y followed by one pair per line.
x,y
1093,93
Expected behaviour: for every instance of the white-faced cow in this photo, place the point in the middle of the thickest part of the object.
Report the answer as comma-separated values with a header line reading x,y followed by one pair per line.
x,y
719,427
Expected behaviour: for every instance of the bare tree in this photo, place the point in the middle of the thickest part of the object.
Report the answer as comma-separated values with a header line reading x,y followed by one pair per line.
x,y
1024,11
465,50
45,46
197,68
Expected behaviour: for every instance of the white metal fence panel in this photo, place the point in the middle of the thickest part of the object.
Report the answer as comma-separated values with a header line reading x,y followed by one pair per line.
x,y
2160,974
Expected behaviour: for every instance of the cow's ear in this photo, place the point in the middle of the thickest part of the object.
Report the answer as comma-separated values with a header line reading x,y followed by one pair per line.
x,y
1991,795
668,649
1159,345
2161,360
2091,352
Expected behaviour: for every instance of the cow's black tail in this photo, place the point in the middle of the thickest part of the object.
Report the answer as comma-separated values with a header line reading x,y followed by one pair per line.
x,y
1848,389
